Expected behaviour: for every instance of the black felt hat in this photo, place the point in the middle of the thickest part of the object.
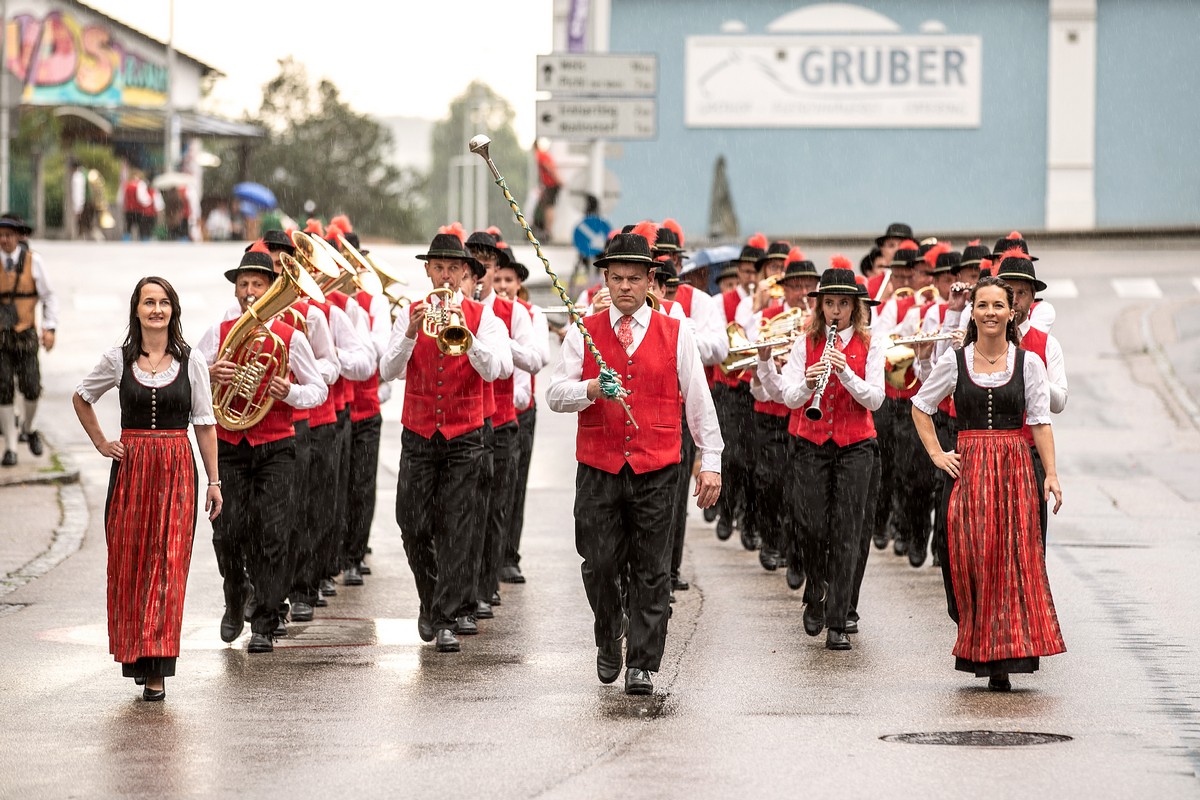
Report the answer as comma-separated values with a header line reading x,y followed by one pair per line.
x,y
906,255
754,249
798,266
926,245
973,255
10,220
840,280
280,239
1019,268
777,251
446,245
947,262
632,247
486,241
667,242
897,230
664,269
730,270
519,268
252,261
1014,239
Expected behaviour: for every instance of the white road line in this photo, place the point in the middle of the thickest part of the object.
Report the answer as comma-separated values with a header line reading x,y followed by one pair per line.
x,y
1196,283
1063,289
1136,288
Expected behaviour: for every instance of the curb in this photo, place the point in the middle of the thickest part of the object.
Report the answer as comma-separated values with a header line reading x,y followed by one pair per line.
x,y
69,473
1179,393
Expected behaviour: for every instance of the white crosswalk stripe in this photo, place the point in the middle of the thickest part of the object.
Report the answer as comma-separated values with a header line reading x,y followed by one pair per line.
x,y
1064,289
1136,288
1196,283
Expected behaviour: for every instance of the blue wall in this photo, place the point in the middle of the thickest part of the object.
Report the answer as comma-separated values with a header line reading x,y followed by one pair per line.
x,y
815,181
1148,113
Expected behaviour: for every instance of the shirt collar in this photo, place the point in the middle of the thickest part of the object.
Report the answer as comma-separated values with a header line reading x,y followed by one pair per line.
x,y
742,291
845,335
641,316
1026,325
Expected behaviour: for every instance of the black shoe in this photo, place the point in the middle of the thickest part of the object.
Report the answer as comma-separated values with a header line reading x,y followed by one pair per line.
x,y
465,626
352,577
899,547
22,437
795,576
637,681
10,458
724,529
320,602
248,607
302,612
880,540
671,598
495,601
750,539
999,683
260,643
327,588
154,695
769,559
814,619
232,623
511,573
35,443
836,640
363,569
916,556
280,631
609,660
447,642
139,680
679,584
850,627
484,611
710,513
425,627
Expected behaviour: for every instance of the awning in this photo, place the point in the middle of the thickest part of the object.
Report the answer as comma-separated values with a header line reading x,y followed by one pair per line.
x,y
134,124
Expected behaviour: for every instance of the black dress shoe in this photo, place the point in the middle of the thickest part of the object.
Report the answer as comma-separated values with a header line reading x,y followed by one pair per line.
x,y
484,611
465,626
880,540
750,539
260,643
637,681
425,626
352,577
999,683
363,569
447,642
899,547
850,627
35,443
154,695
327,588
836,640
511,573
916,556
795,576
302,612
232,623
495,601
280,631
679,584
769,559
814,619
710,513
320,602
724,529
608,661
139,680
10,458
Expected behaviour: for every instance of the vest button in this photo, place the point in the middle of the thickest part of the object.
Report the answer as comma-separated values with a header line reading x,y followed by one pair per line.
x,y
441,369
439,397
153,426
628,377
627,422
438,425
627,454
628,438
439,411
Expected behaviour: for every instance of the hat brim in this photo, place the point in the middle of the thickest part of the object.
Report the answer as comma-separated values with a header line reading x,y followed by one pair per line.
x,y
974,262
604,261
231,274
846,291
1026,256
1038,286
460,255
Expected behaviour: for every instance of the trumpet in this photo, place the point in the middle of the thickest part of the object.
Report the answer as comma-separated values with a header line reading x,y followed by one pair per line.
x,y
446,327
814,411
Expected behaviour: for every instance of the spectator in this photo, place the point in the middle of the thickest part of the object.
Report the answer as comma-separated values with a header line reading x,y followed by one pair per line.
x,y
548,179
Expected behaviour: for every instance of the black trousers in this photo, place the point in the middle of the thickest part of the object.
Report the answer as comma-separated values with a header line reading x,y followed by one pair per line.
x,y
687,459
364,466
435,489
505,456
1039,476
864,539
303,538
735,413
915,480
623,526
251,535
341,519
947,433
773,504
526,427
831,486
481,510
19,364
886,417
324,466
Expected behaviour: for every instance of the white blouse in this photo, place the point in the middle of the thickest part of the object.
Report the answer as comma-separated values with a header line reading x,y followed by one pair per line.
x,y
107,374
944,379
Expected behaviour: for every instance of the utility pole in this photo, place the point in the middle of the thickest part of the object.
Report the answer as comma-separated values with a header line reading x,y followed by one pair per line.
x,y
5,133
169,134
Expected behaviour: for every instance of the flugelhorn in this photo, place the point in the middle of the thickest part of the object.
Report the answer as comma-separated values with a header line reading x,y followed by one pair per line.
x,y
814,411
446,327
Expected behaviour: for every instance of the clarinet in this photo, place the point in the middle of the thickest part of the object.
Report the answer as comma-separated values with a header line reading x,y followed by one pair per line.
x,y
478,293
813,411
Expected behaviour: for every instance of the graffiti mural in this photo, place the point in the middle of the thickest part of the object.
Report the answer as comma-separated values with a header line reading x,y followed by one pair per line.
x,y
61,60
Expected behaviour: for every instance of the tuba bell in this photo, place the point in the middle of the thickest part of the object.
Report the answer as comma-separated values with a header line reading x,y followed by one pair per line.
x,y
257,352
897,360
446,327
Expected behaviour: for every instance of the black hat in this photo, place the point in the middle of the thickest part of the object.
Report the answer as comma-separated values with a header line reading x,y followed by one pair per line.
x,y
730,270
1014,239
840,280
798,266
926,245
664,270
906,255
519,268
352,239
754,249
10,220
629,247
486,241
252,261
972,256
280,239
446,245
897,230
667,242
947,262
777,250
1015,268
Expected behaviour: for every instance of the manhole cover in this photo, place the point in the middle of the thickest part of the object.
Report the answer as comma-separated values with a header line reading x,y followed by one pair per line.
x,y
977,738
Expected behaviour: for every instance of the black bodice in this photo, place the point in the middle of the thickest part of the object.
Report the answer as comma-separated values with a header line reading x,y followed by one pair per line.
x,y
1001,408
166,408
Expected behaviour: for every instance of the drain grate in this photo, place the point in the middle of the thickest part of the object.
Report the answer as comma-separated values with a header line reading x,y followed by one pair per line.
x,y
977,738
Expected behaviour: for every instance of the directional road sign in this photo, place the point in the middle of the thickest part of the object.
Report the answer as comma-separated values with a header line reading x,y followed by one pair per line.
x,y
597,119
598,75
591,235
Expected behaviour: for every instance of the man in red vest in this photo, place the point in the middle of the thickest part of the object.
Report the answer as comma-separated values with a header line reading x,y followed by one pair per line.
x,y
442,455
628,469
258,466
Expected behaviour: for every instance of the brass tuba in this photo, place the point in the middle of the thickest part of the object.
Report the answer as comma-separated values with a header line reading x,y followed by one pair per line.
x,y
243,402
446,327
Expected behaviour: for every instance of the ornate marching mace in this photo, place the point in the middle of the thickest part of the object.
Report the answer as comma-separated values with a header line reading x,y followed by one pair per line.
x,y
610,382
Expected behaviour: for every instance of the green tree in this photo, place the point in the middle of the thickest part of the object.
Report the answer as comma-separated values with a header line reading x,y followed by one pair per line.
x,y
480,110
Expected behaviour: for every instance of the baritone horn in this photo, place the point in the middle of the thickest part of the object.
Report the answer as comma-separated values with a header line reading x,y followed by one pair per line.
x,y
446,327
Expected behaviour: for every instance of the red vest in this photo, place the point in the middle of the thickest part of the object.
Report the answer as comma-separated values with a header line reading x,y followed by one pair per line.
x,y
903,306
505,412
606,440
1034,341
731,300
277,424
341,390
532,378
683,296
364,400
770,406
326,413
443,393
845,420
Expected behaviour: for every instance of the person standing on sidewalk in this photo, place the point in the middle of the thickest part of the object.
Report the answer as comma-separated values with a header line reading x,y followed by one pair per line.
x,y
150,514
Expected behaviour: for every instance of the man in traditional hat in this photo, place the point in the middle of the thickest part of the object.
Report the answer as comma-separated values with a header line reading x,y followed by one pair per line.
x,y
884,282
628,468
257,465
443,449
23,286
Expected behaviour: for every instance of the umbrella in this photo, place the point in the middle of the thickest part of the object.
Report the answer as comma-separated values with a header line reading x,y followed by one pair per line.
x,y
721,254
173,180
256,193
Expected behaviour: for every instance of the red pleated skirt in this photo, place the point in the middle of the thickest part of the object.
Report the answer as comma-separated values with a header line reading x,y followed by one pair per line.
x,y
150,522
1006,613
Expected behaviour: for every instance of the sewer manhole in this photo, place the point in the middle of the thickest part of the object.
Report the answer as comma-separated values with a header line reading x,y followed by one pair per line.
x,y
977,738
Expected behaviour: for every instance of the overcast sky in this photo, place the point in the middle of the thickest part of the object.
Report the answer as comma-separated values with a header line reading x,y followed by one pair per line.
x,y
388,57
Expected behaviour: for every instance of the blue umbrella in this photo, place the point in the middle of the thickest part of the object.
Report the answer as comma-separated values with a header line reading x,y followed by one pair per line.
x,y
255,193
721,254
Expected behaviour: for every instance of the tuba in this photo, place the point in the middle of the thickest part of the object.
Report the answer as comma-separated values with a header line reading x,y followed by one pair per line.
x,y
243,402
446,327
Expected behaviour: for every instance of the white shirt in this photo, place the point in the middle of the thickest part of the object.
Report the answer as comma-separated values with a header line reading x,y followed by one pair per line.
x,y
568,391
489,352
791,388
708,329
308,390
522,380
319,338
107,374
526,354
40,285
944,379
380,314
886,323
352,337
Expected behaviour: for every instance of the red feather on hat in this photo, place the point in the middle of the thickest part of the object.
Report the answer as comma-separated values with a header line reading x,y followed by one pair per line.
x,y
908,244
333,230
757,240
666,258
313,225
290,231
259,246
647,230
794,255
343,222
673,226
456,229
1014,235
501,245
1014,252
840,262
493,230
931,256
973,243
985,263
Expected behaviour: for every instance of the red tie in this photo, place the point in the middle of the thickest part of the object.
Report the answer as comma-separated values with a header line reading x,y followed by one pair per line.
x,y
625,332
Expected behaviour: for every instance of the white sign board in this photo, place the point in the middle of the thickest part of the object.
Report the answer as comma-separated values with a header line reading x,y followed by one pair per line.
x,y
597,119
605,75
833,81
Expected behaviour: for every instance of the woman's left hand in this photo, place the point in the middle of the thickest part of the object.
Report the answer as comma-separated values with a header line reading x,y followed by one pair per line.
x,y
1052,488
213,502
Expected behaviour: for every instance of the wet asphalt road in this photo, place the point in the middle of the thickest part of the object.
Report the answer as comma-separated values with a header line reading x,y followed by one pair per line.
x,y
355,705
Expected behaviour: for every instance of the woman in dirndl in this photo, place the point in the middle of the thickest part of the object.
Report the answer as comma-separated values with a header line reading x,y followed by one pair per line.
x,y
1005,614
150,514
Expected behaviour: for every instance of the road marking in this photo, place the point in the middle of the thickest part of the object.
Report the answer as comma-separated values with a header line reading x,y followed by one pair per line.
x,y
1136,288
1064,289
1196,283
96,302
